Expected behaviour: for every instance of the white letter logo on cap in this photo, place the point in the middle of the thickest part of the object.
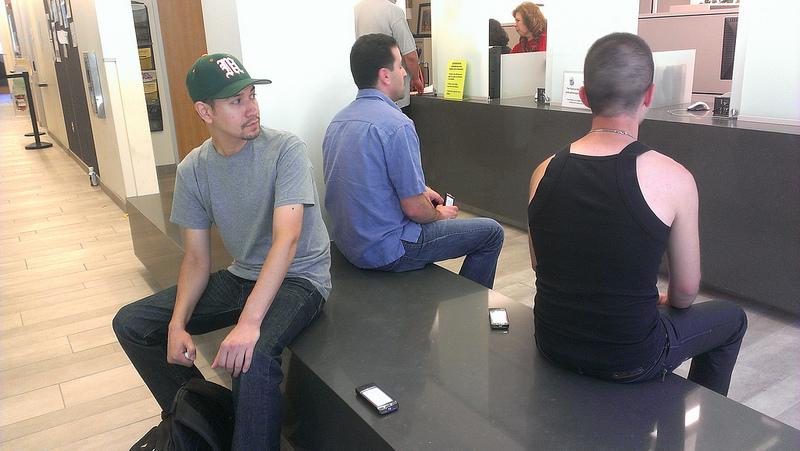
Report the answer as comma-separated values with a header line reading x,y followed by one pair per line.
x,y
229,66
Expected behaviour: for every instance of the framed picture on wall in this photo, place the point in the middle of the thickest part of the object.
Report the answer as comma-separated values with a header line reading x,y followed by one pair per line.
x,y
420,43
424,20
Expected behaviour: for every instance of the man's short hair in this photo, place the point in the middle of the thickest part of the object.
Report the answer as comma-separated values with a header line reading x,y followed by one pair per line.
x,y
497,35
616,73
369,54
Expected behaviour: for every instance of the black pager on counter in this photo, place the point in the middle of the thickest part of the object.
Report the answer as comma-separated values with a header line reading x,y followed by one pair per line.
x,y
382,402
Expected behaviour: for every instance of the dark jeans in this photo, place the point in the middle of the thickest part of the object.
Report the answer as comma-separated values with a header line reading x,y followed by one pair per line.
x,y
141,328
709,333
480,239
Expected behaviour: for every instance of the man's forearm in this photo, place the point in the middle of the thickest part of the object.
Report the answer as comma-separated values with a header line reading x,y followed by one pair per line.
x,y
276,265
427,216
424,212
411,60
192,281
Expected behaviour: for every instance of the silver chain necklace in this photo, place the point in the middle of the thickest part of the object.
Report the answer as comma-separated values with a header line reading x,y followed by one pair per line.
x,y
611,130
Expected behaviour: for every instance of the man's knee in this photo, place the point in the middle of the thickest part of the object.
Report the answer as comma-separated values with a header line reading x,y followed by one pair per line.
x,y
495,231
731,313
123,318
741,318
264,369
129,322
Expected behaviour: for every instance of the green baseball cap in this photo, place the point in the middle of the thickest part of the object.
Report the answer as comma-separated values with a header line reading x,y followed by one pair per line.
x,y
218,76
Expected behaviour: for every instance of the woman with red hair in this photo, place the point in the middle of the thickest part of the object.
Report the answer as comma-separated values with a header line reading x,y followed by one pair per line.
x,y
532,28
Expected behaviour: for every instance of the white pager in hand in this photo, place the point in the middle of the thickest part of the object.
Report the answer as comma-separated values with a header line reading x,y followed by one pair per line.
x,y
382,402
449,200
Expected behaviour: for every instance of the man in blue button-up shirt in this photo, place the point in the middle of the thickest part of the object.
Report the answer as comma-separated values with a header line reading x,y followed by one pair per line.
x,y
383,215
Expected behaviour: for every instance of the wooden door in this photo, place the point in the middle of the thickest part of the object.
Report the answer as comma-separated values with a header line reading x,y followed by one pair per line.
x,y
184,38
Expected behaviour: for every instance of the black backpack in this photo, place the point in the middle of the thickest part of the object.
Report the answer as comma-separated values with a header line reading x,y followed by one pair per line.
x,y
200,419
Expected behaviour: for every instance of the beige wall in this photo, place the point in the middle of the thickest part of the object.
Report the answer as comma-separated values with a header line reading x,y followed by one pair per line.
x,y
103,129
5,38
112,22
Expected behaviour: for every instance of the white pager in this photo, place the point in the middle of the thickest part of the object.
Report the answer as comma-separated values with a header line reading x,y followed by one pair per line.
x,y
498,318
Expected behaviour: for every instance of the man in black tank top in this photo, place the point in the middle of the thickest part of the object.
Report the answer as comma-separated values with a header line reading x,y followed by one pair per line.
x,y
602,213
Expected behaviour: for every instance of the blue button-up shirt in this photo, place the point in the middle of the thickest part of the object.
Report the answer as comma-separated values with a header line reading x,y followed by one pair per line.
x,y
371,161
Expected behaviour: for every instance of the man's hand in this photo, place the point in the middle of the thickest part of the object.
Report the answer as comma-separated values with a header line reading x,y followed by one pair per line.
x,y
663,299
447,212
433,196
180,347
236,351
417,84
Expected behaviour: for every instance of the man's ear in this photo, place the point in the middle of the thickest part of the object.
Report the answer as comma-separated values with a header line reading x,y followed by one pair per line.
x,y
584,98
648,95
205,111
384,76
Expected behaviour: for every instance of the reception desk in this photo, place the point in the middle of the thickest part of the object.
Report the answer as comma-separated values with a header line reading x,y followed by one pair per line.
x,y
748,176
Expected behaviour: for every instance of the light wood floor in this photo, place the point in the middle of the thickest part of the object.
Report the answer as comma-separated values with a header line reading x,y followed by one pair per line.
x,y
67,265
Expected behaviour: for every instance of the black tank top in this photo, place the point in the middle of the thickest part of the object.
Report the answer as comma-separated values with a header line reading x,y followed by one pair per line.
x,y
598,247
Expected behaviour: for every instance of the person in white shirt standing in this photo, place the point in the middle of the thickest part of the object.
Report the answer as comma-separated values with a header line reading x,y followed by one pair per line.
x,y
383,16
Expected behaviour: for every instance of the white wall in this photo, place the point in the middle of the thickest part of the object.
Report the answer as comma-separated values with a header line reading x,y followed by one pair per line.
x,y
222,27
310,84
573,26
766,71
460,31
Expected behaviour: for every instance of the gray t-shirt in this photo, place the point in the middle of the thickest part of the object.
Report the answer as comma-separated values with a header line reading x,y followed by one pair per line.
x,y
239,193
382,16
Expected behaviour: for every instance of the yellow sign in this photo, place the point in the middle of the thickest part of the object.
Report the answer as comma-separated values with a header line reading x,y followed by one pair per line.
x,y
456,74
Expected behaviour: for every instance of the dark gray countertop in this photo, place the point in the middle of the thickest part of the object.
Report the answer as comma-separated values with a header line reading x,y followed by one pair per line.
x,y
675,113
423,337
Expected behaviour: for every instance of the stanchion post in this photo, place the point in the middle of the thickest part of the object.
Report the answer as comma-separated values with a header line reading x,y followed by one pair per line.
x,y
39,144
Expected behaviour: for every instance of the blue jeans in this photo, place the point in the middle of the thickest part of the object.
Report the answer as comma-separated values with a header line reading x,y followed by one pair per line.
x,y
480,239
141,328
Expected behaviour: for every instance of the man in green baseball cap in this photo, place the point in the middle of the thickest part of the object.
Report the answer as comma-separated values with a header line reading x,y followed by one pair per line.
x,y
256,185
221,79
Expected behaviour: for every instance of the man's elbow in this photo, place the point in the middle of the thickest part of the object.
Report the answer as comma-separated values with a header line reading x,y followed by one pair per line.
x,y
411,58
683,297
287,240
196,261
